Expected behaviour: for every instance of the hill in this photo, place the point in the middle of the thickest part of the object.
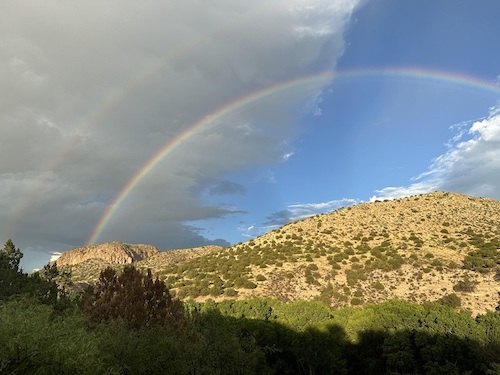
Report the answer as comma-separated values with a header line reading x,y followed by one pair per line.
x,y
85,263
438,246
110,252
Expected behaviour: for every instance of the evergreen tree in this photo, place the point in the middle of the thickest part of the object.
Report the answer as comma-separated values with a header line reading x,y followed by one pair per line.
x,y
10,257
134,299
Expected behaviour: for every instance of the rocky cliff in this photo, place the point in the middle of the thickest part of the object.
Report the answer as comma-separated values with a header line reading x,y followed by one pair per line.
x,y
109,252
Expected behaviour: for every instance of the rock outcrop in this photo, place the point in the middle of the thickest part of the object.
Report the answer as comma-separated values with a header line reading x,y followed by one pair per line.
x,y
109,252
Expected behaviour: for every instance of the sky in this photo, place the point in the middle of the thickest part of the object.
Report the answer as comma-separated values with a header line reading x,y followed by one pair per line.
x,y
182,124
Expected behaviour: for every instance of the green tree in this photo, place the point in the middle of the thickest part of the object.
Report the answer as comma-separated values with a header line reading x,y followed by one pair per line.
x,y
134,299
10,257
34,340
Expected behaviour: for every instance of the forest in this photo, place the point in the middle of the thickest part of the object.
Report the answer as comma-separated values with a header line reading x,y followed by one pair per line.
x,y
129,323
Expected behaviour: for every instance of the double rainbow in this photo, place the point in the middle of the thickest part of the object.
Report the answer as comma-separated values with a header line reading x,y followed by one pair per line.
x,y
320,80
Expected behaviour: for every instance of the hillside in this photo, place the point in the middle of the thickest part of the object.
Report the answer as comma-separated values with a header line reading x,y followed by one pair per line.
x,y
85,263
413,249
110,252
421,248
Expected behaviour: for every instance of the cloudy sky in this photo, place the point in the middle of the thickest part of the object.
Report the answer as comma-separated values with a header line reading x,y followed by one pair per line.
x,y
184,123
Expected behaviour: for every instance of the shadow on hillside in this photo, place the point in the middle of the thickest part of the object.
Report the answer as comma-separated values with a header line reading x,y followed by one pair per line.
x,y
33,339
217,344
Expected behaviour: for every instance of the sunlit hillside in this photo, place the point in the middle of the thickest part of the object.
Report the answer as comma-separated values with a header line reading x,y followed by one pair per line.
x,y
438,246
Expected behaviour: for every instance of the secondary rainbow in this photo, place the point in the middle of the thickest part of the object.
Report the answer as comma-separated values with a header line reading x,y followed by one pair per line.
x,y
111,100
321,79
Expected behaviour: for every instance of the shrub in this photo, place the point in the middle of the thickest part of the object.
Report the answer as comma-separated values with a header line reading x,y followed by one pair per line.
x,y
260,277
465,285
496,277
355,301
450,300
230,292
249,285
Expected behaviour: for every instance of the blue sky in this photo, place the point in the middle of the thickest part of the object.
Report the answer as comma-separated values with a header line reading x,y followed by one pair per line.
x,y
404,100
379,131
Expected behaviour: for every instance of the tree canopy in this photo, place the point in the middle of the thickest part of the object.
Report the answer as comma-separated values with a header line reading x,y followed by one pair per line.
x,y
10,256
134,299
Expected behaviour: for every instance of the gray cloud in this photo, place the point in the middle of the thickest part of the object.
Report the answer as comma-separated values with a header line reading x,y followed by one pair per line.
x,y
226,188
93,90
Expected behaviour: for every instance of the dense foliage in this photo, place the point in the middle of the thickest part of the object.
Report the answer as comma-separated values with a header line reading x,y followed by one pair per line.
x,y
134,299
129,324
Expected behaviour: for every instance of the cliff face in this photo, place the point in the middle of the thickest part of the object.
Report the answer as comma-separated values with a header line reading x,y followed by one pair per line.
x,y
109,252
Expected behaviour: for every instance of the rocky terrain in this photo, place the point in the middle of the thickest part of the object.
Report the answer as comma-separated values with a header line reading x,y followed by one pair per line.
x,y
109,252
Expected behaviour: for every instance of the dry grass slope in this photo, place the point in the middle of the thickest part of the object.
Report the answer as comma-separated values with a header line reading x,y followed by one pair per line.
x,y
416,248
411,249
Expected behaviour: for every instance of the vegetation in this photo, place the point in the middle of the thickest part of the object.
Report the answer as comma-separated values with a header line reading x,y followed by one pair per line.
x,y
134,299
258,336
157,317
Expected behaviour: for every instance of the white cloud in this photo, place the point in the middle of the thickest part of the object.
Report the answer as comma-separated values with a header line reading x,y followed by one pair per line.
x,y
294,212
303,210
92,90
55,256
470,166
297,211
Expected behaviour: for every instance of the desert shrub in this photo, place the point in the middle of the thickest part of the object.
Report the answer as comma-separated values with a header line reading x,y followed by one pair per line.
x,y
378,285
355,301
396,262
260,277
230,292
465,285
485,258
349,251
496,277
358,293
249,285
338,257
450,300
437,264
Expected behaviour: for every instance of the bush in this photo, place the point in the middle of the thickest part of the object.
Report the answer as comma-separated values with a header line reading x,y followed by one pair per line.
x,y
260,277
36,340
230,292
355,301
450,300
465,285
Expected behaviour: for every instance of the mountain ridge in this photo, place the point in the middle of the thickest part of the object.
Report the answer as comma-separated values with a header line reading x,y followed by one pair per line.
x,y
111,252
420,248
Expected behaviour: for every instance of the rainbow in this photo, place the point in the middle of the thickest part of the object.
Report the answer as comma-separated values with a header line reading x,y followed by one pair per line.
x,y
423,75
317,81
314,81
111,100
